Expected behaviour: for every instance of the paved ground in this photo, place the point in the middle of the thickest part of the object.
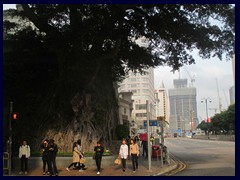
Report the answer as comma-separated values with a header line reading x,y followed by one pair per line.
x,y
203,157
114,170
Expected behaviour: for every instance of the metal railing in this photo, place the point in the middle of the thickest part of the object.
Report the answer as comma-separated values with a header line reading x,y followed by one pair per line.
x,y
5,161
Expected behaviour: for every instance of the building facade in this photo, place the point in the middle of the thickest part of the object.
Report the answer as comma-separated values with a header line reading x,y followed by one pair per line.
x,y
162,105
125,104
183,107
142,87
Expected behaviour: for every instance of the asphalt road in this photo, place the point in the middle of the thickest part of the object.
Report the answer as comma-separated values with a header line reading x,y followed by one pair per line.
x,y
203,157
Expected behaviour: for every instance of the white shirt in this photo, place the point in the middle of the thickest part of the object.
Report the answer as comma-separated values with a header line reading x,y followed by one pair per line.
x,y
123,152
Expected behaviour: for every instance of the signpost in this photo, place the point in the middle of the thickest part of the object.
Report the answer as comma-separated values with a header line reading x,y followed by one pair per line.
x,y
151,123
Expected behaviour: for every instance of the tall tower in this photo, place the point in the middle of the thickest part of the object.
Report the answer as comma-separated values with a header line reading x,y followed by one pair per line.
x,y
142,87
162,102
183,106
232,89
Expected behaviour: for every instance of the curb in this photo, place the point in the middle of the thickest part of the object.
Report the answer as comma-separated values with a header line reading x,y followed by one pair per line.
x,y
167,169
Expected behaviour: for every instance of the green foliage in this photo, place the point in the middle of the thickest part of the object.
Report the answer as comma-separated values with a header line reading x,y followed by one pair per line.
x,y
73,48
122,131
222,123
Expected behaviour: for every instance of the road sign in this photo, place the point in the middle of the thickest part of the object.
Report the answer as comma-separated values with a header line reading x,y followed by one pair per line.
x,y
151,123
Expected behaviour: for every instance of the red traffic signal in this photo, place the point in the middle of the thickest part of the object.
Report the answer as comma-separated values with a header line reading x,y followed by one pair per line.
x,y
14,116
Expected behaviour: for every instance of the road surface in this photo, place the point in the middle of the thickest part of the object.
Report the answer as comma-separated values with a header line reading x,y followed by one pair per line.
x,y
203,157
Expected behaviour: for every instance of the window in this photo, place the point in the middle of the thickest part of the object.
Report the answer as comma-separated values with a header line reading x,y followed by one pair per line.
x,y
145,90
125,110
144,85
141,114
133,79
133,85
140,106
134,91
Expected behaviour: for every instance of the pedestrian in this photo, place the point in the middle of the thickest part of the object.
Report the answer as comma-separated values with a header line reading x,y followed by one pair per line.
x,y
123,154
76,156
99,149
53,149
24,154
134,152
80,166
145,148
45,159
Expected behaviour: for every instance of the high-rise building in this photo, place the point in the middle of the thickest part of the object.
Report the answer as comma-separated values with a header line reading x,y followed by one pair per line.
x,y
183,106
232,89
162,103
142,87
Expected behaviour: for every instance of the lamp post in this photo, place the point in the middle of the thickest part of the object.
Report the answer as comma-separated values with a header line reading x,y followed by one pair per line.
x,y
148,130
206,101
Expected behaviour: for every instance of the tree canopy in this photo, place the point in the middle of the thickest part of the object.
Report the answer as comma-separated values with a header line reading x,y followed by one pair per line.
x,y
78,49
222,123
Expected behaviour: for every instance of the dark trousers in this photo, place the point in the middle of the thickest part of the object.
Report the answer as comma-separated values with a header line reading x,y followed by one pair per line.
x,y
52,166
124,163
98,163
72,164
134,161
45,162
145,150
24,163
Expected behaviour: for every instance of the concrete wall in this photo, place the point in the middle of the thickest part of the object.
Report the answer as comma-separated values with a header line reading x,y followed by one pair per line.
x,y
216,137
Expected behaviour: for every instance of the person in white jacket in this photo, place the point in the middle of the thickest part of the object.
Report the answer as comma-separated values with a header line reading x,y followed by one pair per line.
x,y
123,154
24,154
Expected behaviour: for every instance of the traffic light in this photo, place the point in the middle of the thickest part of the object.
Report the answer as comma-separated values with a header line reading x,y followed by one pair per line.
x,y
14,116
14,119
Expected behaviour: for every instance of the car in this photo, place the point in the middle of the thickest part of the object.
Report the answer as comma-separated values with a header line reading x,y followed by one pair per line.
x,y
175,135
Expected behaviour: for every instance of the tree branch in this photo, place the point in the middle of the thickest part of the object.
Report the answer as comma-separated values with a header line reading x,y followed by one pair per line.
x,y
40,23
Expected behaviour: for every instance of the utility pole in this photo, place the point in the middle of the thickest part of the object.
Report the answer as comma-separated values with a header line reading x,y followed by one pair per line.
x,y
219,98
149,147
10,140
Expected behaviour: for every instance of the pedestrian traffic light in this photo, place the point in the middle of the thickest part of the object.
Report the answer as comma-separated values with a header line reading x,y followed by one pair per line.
x,y
14,116
14,119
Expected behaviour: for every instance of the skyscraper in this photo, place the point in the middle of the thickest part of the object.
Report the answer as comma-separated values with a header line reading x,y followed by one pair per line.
x,y
142,87
183,106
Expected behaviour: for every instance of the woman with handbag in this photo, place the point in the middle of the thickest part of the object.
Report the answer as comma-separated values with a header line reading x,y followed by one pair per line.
x,y
76,156
98,156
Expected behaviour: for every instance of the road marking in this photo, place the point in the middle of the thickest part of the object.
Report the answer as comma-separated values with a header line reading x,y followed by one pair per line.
x,y
181,166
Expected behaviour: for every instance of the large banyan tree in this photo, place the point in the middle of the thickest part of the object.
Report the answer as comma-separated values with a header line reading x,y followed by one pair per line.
x,y
61,69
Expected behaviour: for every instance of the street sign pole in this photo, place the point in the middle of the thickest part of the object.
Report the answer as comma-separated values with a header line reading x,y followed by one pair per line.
x,y
149,147
10,140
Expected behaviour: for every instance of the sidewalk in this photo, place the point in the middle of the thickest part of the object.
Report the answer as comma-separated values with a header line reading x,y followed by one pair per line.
x,y
113,170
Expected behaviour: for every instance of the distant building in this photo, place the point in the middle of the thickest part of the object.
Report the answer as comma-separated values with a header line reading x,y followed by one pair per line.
x,y
183,106
162,103
232,89
142,87
232,95
125,104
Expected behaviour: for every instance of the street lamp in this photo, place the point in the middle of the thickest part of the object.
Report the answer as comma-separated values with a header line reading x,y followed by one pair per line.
x,y
206,101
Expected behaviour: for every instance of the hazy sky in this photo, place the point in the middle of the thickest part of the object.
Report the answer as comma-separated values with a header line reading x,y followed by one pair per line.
x,y
205,73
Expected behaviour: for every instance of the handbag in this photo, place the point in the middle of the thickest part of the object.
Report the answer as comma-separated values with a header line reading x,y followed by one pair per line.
x,y
117,161
82,161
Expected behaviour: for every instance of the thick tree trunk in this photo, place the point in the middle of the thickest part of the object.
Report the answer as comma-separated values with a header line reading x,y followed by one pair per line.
x,y
95,119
